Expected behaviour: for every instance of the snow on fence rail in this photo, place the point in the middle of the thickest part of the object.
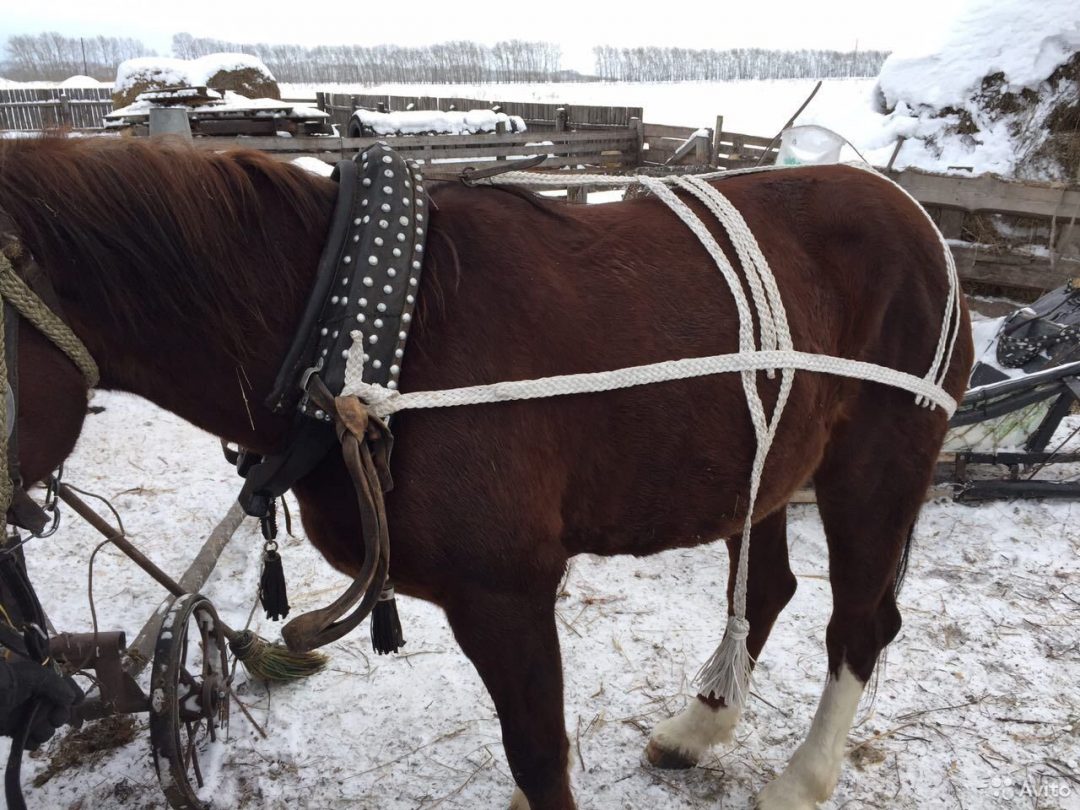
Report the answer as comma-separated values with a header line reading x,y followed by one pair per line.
x,y
537,116
40,108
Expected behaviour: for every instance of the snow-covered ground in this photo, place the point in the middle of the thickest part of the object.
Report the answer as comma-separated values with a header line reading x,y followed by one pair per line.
x,y
979,695
750,107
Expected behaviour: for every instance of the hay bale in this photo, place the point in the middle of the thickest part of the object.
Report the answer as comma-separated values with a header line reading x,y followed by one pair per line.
x,y
1000,93
137,76
247,82
239,72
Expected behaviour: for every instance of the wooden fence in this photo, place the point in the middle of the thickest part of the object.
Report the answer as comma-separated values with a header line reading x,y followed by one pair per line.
x,y
613,139
615,149
666,145
958,206
537,116
40,108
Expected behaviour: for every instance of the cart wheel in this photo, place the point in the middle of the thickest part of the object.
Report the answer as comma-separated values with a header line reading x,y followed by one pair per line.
x,y
189,700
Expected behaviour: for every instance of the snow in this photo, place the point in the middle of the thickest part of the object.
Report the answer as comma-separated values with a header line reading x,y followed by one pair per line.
x,y
979,692
1025,41
314,165
82,81
925,94
170,72
416,122
929,91
752,107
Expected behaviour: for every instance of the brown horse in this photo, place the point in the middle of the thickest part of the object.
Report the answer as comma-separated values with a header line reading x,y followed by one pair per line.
x,y
185,272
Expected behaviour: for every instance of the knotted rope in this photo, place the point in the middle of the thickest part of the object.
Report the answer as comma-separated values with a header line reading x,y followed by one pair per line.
x,y
15,291
30,306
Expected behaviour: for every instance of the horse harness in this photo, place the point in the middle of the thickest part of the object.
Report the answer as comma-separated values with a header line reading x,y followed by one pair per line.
x,y
364,292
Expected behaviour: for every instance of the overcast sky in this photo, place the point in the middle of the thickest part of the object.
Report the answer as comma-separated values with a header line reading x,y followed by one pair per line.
x,y
576,25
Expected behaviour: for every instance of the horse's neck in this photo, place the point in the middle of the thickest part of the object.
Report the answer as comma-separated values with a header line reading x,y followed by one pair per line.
x,y
193,372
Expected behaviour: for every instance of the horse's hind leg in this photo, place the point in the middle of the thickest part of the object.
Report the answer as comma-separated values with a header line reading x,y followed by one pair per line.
x,y
870,489
680,741
512,641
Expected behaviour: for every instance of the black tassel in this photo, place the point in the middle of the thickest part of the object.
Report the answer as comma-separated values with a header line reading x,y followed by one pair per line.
x,y
272,585
386,635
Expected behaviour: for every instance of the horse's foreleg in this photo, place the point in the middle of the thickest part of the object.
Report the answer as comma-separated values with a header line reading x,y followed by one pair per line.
x,y
866,538
512,641
680,741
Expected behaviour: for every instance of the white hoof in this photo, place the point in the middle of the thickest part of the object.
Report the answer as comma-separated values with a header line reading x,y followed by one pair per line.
x,y
518,800
786,794
681,741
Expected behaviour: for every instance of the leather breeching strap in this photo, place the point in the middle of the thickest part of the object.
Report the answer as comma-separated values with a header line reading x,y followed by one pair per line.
x,y
366,443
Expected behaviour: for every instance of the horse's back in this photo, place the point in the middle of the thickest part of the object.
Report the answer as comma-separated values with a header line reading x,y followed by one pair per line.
x,y
541,289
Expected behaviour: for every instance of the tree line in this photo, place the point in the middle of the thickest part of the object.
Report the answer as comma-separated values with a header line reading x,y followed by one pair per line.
x,y
51,56
459,61
654,64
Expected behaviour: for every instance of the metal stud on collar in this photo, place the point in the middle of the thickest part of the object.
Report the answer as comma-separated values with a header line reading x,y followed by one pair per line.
x,y
384,309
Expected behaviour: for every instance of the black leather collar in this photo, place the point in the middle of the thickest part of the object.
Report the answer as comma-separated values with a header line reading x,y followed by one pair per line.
x,y
367,281
368,276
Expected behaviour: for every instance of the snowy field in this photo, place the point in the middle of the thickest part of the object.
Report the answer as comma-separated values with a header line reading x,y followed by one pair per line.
x,y
753,107
978,707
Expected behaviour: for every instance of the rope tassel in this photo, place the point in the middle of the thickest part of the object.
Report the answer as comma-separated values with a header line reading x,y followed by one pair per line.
x,y
272,593
728,671
386,634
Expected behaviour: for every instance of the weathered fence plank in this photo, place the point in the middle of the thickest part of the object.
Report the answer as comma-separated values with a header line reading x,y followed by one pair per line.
x,y
989,193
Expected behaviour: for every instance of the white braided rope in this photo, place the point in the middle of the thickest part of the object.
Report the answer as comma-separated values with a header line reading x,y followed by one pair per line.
x,y
728,671
557,180
384,401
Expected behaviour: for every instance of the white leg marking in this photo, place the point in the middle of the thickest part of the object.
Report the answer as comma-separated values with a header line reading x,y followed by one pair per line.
x,y
696,729
518,800
811,775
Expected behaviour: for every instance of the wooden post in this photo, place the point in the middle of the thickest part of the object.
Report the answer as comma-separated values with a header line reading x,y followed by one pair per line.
x,y
895,152
66,121
561,119
639,134
500,129
737,146
702,144
577,194
952,221
718,133
320,100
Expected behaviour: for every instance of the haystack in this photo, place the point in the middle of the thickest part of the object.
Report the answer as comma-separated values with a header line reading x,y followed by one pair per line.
x,y
239,72
999,93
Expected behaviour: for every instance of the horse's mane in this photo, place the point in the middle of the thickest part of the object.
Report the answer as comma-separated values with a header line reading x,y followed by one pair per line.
x,y
209,234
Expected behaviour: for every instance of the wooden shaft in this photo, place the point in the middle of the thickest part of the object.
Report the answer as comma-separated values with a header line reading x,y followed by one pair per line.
x,y
141,649
83,510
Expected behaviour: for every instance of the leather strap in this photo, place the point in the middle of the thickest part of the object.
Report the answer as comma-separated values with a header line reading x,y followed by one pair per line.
x,y
365,445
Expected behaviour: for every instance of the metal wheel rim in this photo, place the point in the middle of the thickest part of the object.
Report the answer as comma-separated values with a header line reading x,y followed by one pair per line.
x,y
180,722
